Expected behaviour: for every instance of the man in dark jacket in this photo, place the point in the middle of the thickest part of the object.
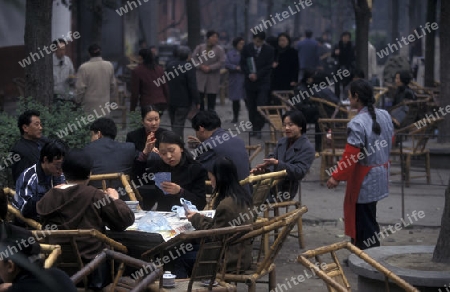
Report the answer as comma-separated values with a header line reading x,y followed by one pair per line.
x,y
183,90
109,156
29,145
344,54
216,142
256,63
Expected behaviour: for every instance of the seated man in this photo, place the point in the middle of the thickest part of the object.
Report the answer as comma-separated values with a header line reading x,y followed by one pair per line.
x,y
107,155
30,144
216,142
36,180
80,206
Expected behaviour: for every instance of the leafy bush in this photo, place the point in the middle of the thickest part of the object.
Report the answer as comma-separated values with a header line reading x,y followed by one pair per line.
x,y
61,120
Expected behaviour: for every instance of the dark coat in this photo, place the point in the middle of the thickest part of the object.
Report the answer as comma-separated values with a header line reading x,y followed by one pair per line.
x,y
403,93
84,207
296,160
346,57
233,148
191,176
183,88
308,54
143,86
139,137
25,281
236,78
29,152
228,213
263,62
110,156
287,69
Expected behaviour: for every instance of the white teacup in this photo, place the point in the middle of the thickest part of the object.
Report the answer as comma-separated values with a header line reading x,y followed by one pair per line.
x,y
168,279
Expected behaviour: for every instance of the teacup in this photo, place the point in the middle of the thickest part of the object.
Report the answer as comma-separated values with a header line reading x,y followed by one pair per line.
x,y
168,279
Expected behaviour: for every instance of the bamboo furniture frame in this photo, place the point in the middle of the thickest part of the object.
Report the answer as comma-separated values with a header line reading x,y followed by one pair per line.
x,y
273,113
419,140
52,252
378,92
67,239
16,213
123,259
334,276
415,107
213,244
125,180
253,151
265,265
284,96
331,151
322,104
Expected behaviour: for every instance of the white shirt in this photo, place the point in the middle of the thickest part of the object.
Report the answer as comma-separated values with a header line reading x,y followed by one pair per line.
x,y
62,68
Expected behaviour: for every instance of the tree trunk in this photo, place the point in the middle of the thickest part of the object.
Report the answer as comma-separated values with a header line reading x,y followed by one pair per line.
x,y
38,34
429,44
246,19
444,127
362,19
269,15
235,19
296,30
193,22
394,24
97,10
442,250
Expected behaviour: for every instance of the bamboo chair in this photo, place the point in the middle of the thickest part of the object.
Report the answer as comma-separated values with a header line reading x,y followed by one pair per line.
x,y
124,179
327,109
273,115
70,260
419,139
14,213
378,92
416,107
332,144
118,280
253,151
213,244
266,265
285,97
51,253
334,276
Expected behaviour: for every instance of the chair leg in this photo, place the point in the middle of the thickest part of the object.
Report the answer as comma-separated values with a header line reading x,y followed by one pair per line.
x,y
272,280
407,169
301,242
427,167
252,287
322,170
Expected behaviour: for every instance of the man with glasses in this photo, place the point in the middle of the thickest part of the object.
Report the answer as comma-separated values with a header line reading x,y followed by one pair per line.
x,y
38,179
63,72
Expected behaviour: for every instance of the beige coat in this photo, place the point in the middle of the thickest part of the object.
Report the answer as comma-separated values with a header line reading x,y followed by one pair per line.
x,y
208,82
95,85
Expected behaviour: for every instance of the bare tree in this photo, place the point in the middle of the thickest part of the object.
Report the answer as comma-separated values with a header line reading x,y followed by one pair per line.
x,y
246,19
193,22
269,15
362,19
444,97
429,44
38,34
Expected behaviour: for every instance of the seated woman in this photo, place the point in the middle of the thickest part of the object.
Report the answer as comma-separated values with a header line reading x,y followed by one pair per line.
x,y
293,153
188,176
150,130
403,94
231,202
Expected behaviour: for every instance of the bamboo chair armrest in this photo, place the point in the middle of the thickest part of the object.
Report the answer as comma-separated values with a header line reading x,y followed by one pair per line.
x,y
28,221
